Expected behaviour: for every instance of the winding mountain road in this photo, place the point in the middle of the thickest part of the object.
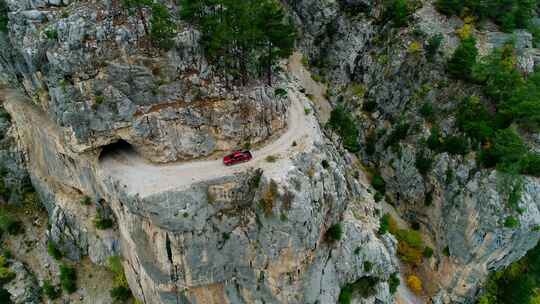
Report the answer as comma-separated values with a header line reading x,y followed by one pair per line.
x,y
141,177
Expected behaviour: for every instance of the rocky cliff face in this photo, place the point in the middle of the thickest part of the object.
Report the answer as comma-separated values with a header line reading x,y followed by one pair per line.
x,y
87,67
257,236
460,208
91,82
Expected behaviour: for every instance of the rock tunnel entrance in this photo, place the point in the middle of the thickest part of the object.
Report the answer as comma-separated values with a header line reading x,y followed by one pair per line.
x,y
116,149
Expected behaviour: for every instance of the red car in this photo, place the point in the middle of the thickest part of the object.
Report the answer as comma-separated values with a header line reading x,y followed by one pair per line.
x,y
237,157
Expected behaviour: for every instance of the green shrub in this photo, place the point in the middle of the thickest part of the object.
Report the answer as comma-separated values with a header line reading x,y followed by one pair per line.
x,y
100,99
5,296
280,92
449,7
120,294
86,200
398,12
325,164
433,45
456,145
345,295
3,16
474,119
511,222
53,251
428,252
507,151
509,15
463,60
399,133
371,142
8,223
162,27
434,141
531,164
446,251
51,34
423,163
50,291
334,233
518,283
393,283
364,287
426,110
498,74
368,266
343,123
384,224
370,106
68,278
102,222
378,183
378,196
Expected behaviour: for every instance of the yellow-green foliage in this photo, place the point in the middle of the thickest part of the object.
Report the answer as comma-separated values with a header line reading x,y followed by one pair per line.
x,y
358,90
269,197
115,266
415,284
466,31
6,275
410,243
415,48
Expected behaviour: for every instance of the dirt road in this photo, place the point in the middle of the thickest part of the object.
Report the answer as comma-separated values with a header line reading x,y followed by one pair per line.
x,y
145,178
316,90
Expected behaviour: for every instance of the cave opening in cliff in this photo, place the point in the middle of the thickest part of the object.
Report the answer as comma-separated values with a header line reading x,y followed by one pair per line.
x,y
115,149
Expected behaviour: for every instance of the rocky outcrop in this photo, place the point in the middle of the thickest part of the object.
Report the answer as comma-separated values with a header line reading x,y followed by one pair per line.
x,y
249,237
255,236
461,208
86,65
23,288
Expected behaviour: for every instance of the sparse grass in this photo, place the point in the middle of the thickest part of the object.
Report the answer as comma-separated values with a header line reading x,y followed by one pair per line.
x,y
86,200
9,223
68,278
511,222
334,233
307,111
368,266
50,291
101,222
53,251
100,99
269,197
120,291
271,158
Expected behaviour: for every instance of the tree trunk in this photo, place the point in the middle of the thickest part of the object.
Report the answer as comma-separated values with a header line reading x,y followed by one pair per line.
x,y
269,67
143,20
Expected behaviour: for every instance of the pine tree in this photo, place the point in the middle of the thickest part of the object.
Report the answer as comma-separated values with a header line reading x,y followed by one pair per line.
x,y
3,16
162,27
463,59
241,38
137,7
